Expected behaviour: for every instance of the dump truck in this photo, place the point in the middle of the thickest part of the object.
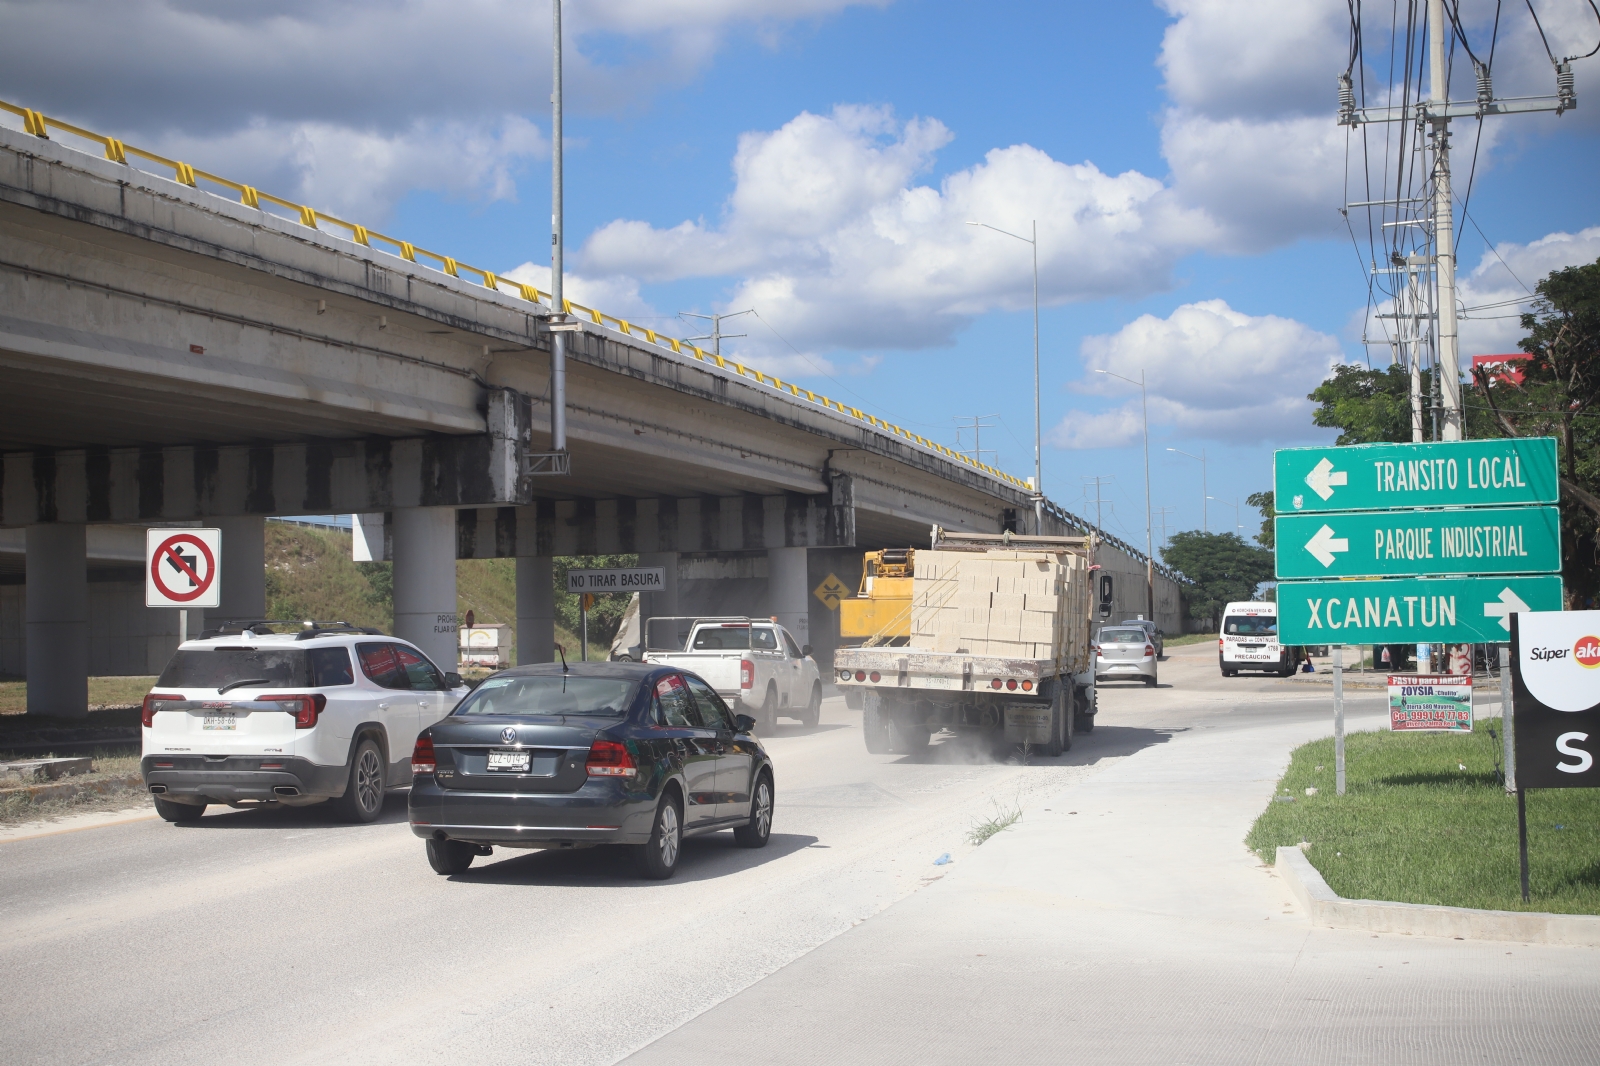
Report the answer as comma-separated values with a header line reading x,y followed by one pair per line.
x,y
979,633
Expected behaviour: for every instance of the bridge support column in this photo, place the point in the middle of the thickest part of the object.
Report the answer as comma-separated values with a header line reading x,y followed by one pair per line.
x,y
57,614
788,592
663,604
244,570
425,582
536,610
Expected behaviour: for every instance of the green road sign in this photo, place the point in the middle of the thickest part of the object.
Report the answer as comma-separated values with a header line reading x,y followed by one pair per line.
x,y
1472,540
1418,610
1384,477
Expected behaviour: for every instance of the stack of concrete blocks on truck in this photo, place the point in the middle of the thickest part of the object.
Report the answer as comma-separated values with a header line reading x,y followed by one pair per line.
x,y
1010,604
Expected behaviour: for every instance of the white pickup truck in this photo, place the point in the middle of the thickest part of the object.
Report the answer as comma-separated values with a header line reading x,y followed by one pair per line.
x,y
754,665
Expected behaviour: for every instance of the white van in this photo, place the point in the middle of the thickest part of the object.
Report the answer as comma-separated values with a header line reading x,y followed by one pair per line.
x,y
1249,641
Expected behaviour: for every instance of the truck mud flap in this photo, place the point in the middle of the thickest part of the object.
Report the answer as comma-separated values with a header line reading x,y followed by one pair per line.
x,y
1028,723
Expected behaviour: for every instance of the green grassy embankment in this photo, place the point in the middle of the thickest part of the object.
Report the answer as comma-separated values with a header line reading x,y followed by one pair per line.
x,y
1424,819
1188,638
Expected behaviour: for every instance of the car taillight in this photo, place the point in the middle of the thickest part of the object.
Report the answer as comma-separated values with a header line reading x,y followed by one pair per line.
x,y
422,759
305,709
1149,649
608,758
147,715
747,674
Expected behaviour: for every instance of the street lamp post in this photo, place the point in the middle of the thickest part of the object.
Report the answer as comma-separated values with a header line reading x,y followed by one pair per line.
x,y
1149,546
1205,521
1038,472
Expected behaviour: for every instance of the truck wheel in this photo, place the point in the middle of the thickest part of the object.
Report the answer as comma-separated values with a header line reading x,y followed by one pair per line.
x,y
769,710
1060,707
813,713
875,727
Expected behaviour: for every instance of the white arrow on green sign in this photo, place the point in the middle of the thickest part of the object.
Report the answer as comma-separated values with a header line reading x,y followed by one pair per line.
x,y
1472,540
1451,610
1384,477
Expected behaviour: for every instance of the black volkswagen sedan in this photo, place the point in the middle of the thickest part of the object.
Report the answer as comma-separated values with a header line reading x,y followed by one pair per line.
x,y
551,756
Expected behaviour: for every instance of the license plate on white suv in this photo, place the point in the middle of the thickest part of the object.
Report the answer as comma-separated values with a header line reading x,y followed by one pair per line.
x,y
221,721
510,761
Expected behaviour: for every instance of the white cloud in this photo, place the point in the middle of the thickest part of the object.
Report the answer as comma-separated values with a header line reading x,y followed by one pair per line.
x,y
615,295
1212,372
320,91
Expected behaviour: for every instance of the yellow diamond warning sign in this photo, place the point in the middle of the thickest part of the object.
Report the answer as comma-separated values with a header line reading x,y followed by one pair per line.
x,y
831,591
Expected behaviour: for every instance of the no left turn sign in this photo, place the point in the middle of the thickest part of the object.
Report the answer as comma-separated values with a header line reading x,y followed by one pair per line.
x,y
181,567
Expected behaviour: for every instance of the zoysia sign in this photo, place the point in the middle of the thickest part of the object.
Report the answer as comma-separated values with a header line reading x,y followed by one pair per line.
x,y
624,579
1440,703
180,567
1384,477
1555,686
1453,610
1477,540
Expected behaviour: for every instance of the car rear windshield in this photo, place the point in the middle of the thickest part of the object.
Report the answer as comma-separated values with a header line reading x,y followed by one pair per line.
x,y
1123,636
604,697
1250,625
734,638
221,667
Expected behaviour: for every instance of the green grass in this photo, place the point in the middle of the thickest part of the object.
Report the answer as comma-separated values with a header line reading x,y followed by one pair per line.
x,y
109,762
103,692
1413,827
1188,638
1004,818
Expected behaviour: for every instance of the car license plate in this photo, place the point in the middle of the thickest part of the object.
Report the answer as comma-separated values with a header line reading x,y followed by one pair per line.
x,y
221,721
510,761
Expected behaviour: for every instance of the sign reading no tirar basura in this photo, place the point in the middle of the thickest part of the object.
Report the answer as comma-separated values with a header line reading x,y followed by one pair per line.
x,y
1381,477
620,579
1456,610
1475,540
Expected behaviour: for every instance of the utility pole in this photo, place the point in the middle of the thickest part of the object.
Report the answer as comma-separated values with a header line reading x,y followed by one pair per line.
x,y
1099,523
977,426
1038,469
716,334
1149,548
1162,513
1205,514
556,461
1447,362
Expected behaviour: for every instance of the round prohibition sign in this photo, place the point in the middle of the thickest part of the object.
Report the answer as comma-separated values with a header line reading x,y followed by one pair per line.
x,y
167,551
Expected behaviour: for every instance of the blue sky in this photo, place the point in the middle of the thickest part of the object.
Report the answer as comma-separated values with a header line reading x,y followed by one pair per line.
x,y
816,159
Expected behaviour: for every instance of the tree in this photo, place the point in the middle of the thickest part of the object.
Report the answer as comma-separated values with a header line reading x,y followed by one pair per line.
x,y
1222,567
1559,396
1263,502
606,614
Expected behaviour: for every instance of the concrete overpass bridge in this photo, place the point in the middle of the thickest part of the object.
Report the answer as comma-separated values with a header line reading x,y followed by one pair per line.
x,y
177,348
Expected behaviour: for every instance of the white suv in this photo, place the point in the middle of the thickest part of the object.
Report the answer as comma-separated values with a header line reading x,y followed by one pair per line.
x,y
248,716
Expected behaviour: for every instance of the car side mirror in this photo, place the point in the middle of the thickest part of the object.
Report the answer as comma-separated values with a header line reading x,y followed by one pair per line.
x,y
805,652
743,723
452,680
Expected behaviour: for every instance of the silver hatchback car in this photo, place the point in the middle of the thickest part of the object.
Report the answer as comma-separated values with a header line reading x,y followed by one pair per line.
x,y
1124,653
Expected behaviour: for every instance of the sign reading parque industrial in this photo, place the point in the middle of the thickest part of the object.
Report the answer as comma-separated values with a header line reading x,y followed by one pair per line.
x,y
620,579
181,566
1383,477
1452,610
1476,540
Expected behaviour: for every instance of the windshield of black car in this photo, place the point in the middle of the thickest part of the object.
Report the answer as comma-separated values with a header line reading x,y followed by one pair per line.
x,y
602,697
1122,636
1251,625
264,667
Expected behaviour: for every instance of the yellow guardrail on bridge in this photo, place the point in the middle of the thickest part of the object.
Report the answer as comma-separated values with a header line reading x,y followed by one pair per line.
x,y
39,125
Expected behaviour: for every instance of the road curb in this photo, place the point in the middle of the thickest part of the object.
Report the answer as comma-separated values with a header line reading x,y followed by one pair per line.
x,y
71,789
1332,911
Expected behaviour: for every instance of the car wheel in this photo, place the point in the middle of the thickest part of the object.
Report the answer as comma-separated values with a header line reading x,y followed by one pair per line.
x,y
1150,682
875,727
363,793
755,833
449,857
1228,673
173,811
657,858
813,713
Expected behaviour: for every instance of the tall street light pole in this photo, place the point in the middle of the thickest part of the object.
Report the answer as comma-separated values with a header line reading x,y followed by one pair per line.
x,y
1205,520
1149,545
558,307
1038,471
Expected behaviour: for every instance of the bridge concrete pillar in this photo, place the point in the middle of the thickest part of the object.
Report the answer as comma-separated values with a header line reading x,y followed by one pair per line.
x,y
536,610
663,604
56,611
788,591
425,581
243,574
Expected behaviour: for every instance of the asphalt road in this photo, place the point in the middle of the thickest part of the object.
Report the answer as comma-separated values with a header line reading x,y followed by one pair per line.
x,y
281,937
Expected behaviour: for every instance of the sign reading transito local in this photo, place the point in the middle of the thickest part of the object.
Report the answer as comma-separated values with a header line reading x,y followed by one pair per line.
x,y
621,579
1555,677
180,567
1451,610
1385,477
1474,540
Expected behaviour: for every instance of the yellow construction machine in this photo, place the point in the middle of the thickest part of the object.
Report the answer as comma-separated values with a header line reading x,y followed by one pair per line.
x,y
880,613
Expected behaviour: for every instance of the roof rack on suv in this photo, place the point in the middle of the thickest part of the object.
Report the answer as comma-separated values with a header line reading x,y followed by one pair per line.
x,y
235,626
313,630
